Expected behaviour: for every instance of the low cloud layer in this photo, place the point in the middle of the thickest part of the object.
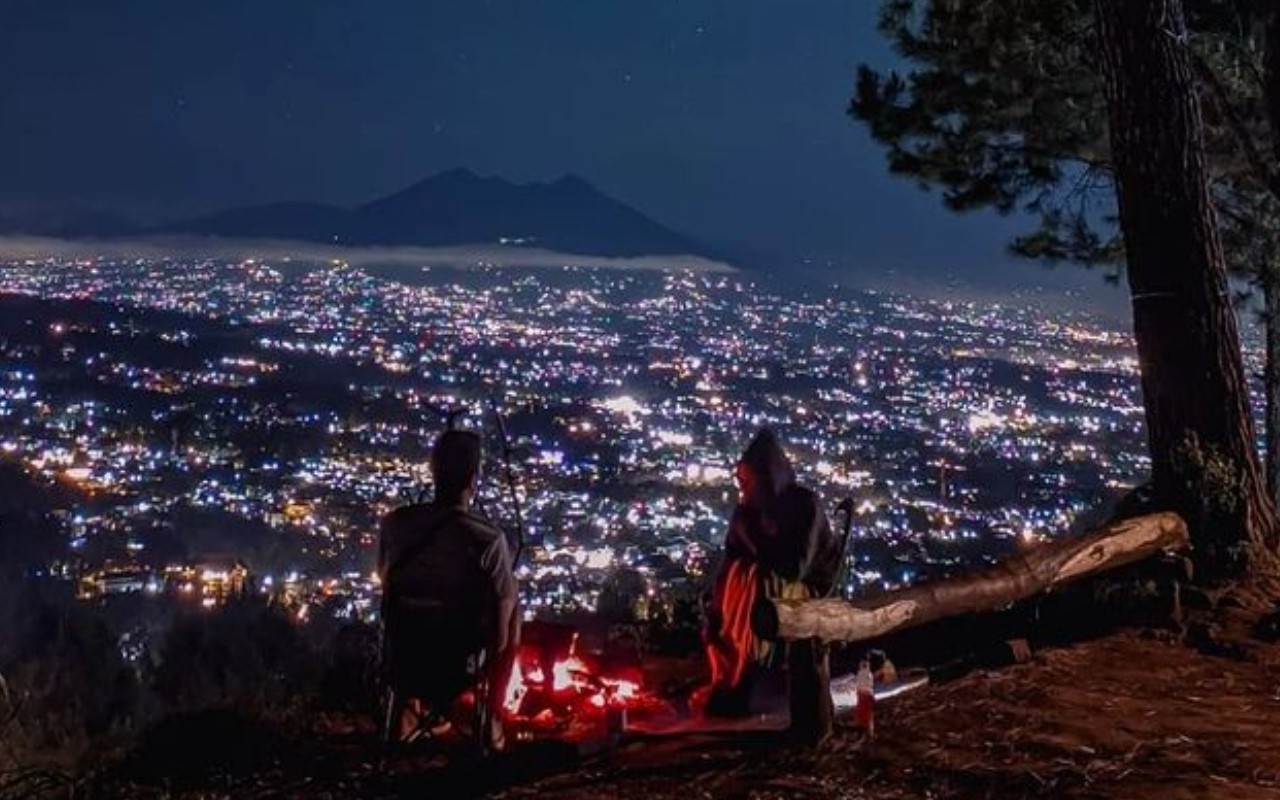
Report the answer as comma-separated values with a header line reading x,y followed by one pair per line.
x,y
461,257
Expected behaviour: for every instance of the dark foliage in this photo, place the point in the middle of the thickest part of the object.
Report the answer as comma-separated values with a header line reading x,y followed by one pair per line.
x,y
66,689
1010,107
248,655
350,681
675,625
1003,109
30,536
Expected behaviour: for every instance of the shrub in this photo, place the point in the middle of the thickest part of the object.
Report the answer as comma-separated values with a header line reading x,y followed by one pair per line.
x,y
69,695
247,655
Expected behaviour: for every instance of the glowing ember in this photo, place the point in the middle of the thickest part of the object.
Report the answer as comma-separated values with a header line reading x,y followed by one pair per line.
x,y
622,690
575,693
516,690
563,674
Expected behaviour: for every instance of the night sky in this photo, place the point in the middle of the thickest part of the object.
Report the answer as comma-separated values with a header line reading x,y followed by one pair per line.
x,y
722,118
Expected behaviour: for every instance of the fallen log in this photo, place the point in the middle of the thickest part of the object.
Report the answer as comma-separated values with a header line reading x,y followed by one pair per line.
x,y
1036,571
1148,594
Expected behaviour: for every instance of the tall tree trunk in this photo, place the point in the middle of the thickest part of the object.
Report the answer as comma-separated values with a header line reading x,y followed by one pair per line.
x,y
1272,70
1271,275
1201,437
1271,377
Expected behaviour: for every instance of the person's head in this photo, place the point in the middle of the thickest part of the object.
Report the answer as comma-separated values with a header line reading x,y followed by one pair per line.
x,y
764,469
455,466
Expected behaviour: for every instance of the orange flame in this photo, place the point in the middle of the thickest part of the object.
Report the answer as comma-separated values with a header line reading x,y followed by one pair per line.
x,y
569,674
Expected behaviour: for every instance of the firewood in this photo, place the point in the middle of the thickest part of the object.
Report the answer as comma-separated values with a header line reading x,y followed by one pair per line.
x,y
1034,572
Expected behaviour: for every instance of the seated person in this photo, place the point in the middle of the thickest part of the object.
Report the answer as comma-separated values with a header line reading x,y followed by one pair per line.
x,y
779,542
449,593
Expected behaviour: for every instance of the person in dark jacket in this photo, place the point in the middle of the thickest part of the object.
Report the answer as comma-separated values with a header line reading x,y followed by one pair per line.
x,y
449,592
779,542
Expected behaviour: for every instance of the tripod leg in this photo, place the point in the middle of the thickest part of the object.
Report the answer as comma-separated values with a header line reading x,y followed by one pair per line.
x,y
395,711
483,717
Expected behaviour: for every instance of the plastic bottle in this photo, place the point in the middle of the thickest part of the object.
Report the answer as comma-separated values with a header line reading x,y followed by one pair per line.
x,y
865,711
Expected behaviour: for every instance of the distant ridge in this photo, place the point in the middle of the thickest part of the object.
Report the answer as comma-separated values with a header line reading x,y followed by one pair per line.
x,y
460,207
69,224
456,207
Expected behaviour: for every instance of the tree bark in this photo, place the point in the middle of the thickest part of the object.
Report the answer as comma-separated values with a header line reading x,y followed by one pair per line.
x,y
1272,77
1037,571
1201,437
1270,274
1271,379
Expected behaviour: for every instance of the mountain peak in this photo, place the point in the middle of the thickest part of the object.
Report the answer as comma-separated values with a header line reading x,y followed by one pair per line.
x,y
456,172
446,181
454,175
457,207
570,180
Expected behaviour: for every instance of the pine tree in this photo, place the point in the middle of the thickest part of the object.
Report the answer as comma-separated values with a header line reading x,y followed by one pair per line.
x,y
1005,109
1199,427
1010,107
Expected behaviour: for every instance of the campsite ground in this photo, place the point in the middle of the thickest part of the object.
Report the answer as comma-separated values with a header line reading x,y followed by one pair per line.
x,y
1129,716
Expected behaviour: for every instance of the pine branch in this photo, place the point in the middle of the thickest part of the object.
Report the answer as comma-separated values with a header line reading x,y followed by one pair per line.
x,y
1239,127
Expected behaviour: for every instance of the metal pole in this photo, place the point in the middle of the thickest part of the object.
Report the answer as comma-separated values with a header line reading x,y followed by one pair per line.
x,y
510,477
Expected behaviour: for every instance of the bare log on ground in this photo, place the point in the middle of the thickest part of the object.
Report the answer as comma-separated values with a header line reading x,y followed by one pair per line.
x,y
1036,571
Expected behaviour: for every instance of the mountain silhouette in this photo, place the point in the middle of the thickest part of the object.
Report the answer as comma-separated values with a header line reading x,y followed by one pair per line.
x,y
459,207
70,224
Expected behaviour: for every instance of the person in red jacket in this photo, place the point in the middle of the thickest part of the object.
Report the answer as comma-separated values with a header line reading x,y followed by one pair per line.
x,y
779,542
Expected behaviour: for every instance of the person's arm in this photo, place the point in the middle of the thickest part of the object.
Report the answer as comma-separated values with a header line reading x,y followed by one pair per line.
x,y
815,568
384,534
805,540
496,564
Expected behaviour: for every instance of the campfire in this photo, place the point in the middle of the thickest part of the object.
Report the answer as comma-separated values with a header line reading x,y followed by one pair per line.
x,y
556,691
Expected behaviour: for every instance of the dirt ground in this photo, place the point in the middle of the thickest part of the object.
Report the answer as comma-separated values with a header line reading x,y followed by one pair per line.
x,y
1125,717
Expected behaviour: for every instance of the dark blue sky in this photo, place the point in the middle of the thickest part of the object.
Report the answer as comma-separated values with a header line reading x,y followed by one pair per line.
x,y
723,118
